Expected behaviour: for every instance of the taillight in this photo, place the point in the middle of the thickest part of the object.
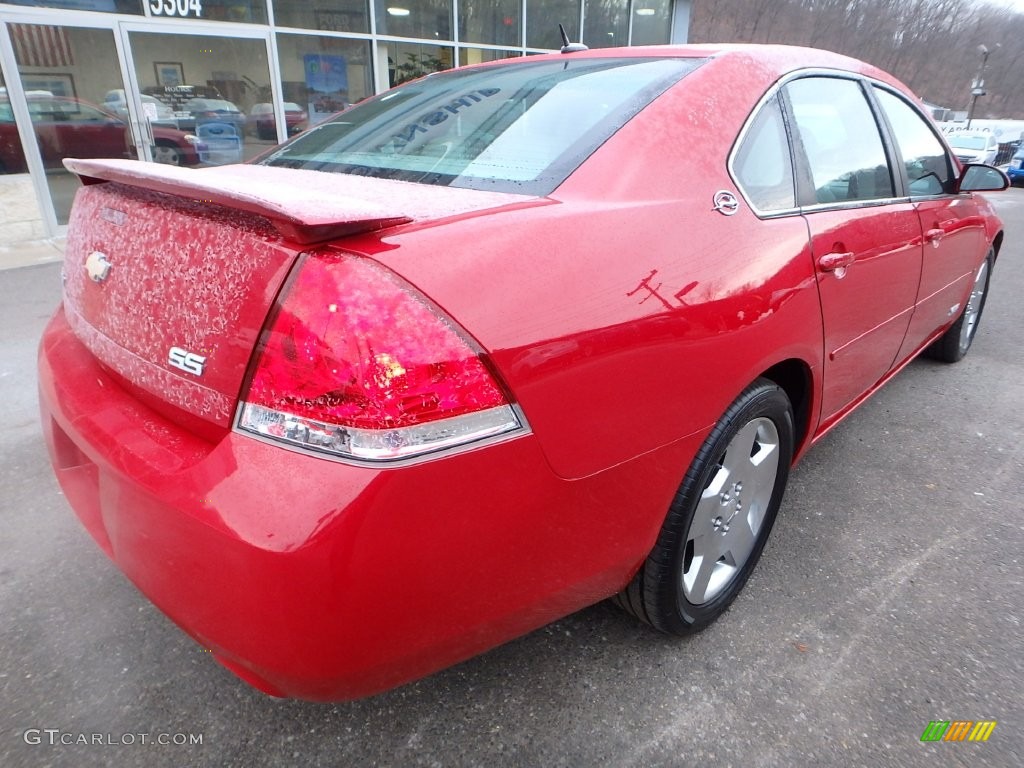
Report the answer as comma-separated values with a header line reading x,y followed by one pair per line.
x,y
355,363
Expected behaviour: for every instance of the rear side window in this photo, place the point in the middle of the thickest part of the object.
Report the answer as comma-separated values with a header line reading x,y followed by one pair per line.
x,y
841,140
763,165
522,127
929,171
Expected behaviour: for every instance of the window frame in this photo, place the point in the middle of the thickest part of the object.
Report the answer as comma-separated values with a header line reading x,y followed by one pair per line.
x,y
807,203
806,191
930,125
775,92
774,101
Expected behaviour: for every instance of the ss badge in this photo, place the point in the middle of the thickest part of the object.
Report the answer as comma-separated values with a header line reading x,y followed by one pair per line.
x,y
187,361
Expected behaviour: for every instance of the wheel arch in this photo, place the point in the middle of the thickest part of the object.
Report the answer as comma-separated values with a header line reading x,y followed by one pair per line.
x,y
169,143
997,244
795,378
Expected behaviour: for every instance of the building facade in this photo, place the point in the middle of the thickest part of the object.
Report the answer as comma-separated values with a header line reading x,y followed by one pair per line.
x,y
203,82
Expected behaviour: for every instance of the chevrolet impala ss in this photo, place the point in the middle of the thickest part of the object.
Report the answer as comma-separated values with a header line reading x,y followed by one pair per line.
x,y
496,345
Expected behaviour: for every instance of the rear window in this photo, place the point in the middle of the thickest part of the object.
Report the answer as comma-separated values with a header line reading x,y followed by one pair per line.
x,y
512,128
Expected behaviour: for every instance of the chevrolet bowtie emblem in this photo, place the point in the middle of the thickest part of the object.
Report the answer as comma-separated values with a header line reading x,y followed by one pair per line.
x,y
97,266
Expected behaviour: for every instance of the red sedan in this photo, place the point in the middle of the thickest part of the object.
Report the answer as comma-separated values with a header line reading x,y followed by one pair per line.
x,y
496,345
68,127
261,120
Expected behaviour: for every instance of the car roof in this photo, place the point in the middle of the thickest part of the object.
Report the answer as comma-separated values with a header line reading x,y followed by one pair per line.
x,y
763,62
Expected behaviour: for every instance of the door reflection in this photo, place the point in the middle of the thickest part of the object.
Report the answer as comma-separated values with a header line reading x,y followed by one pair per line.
x,y
67,73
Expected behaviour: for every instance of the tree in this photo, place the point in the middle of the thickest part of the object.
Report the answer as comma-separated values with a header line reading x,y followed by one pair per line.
x,y
931,45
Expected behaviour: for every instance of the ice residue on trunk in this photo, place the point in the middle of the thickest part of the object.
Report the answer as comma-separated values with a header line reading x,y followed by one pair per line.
x,y
184,274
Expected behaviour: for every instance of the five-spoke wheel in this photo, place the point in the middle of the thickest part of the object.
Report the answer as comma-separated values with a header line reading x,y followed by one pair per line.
x,y
718,523
954,343
731,511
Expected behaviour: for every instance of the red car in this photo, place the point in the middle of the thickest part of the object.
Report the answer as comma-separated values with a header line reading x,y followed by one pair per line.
x,y
68,127
496,345
263,123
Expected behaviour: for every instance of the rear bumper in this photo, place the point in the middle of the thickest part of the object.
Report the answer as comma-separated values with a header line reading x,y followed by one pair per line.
x,y
325,581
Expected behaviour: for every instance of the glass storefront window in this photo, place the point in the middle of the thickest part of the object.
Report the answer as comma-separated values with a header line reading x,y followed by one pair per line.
x,y
495,22
429,19
408,61
323,75
67,73
478,55
652,22
606,23
329,16
543,18
107,6
206,86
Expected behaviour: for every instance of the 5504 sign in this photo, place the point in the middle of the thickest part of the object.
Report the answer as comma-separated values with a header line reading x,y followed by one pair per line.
x,y
182,8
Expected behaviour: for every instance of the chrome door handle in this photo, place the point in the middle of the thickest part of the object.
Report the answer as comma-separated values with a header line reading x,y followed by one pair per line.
x,y
833,261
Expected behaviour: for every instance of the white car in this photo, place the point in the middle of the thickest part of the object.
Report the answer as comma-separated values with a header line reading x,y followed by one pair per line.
x,y
975,147
115,102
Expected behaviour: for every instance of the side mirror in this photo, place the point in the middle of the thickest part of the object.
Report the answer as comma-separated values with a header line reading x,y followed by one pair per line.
x,y
982,178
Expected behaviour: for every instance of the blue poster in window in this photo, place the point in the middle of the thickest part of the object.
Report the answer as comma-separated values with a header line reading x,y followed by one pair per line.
x,y
326,85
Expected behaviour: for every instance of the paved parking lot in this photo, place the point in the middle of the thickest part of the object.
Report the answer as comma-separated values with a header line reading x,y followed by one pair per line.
x,y
890,594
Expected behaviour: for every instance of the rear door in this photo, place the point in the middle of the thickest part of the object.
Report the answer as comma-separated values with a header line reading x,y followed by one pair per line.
x,y
865,240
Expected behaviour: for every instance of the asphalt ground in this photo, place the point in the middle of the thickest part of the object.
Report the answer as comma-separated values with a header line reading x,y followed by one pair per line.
x,y
890,595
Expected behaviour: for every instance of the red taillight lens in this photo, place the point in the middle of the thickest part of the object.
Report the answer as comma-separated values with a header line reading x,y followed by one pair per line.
x,y
356,363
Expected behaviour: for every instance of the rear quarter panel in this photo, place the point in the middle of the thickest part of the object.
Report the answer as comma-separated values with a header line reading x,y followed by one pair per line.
x,y
627,314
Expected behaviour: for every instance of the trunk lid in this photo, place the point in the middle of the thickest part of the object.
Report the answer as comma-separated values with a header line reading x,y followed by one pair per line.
x,y
169,273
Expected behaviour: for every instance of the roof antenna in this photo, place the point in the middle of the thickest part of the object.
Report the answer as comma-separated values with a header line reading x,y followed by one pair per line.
x,y
568,47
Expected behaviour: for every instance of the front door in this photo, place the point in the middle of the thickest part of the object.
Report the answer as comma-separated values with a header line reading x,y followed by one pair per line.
x,y
953,228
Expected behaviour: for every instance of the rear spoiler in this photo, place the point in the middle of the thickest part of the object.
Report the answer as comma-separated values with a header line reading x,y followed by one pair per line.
x,y
304,206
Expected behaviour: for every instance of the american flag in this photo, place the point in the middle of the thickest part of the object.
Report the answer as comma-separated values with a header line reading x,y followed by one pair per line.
x,y
36,45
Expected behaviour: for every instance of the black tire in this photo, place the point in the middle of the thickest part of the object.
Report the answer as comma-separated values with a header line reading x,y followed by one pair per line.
x,y
166,153
953,345
666,592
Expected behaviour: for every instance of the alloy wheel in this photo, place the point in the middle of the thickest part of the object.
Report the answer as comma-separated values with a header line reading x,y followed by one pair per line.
x,y
731,511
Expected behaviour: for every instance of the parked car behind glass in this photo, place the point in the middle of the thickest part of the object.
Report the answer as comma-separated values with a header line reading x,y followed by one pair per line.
x,y
206,110
975,147
263,123
114,102
1016,168
68,127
